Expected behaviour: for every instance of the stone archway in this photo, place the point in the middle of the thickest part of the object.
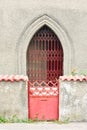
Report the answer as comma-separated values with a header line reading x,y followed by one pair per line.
x,y
44,56
28,33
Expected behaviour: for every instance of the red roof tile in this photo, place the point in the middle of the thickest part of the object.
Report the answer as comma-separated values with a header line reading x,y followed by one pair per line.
x,y
13,78
74,78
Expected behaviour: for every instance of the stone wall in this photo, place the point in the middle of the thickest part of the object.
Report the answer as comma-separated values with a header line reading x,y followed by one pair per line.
x,y
16,18
13,98
73,99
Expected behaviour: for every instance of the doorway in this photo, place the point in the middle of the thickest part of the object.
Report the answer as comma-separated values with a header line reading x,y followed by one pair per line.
x,y
44,66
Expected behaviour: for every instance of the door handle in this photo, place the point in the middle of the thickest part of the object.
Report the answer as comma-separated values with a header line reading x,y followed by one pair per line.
x,y
43,100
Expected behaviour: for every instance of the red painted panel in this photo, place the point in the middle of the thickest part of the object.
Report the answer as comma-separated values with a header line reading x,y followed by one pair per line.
x,y
44,108
43,100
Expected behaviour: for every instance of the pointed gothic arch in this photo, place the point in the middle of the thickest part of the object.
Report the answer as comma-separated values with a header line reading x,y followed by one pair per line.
x,y
27,35
44,56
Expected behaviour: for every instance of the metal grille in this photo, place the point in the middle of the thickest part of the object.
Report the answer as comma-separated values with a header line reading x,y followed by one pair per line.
x,y
44,56
43,89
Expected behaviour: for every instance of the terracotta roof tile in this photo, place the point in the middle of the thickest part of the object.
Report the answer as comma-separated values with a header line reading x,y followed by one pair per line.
x,y
13,78
74,78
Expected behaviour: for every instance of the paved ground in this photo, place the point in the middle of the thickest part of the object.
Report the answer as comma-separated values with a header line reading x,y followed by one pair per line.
x,y
44,126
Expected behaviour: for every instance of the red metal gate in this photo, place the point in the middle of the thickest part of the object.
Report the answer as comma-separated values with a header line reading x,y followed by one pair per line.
x,y
43,100
45,65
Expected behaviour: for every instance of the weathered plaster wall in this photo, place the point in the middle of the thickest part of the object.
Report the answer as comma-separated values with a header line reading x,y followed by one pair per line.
x,y
16,16
14,99
73,100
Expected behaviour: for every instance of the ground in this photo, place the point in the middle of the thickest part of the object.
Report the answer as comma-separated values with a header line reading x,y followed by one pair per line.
x,y
44,126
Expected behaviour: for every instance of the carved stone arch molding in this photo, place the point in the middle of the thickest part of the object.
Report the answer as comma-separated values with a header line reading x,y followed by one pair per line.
x,y
28,33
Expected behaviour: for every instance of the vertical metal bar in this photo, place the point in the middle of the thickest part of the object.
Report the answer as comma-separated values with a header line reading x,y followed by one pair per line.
x,y
45,60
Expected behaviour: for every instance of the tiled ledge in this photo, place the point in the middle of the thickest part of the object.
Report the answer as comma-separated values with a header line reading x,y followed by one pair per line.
x,y
74,78
13,78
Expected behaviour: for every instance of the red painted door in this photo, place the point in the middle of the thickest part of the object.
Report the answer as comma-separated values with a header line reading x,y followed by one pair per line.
x,y
44,66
